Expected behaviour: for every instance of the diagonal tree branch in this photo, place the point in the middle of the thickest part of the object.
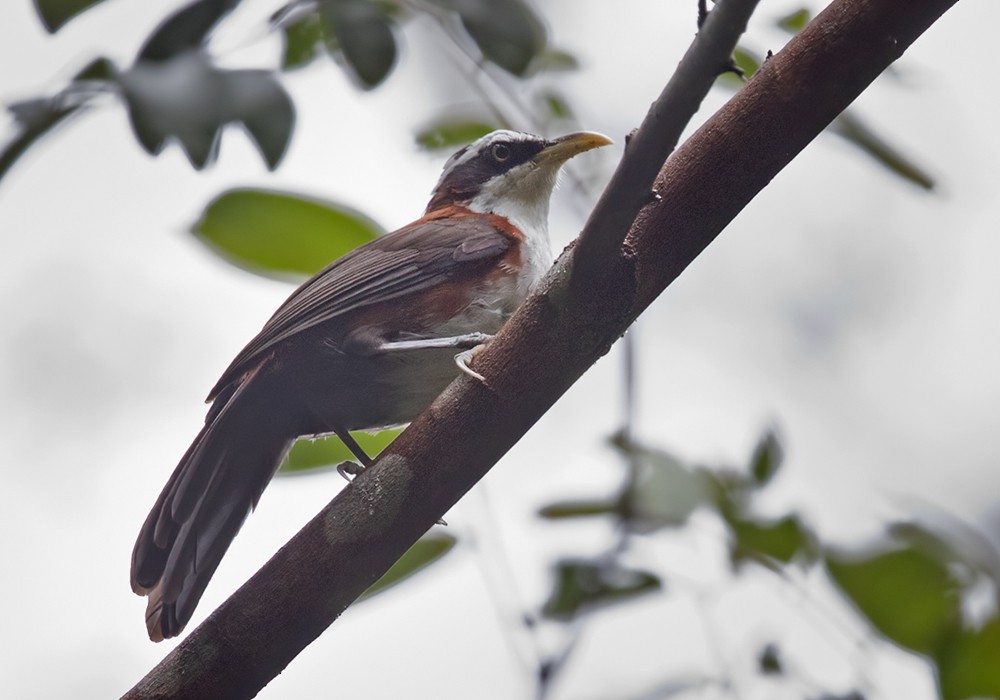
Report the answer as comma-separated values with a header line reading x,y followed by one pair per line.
x,y
551,341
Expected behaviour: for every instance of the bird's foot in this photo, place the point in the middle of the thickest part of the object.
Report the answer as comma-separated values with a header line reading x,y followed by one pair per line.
x,y
463,359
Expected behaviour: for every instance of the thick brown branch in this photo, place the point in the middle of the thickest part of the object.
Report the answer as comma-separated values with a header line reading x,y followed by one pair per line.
x,y
540,353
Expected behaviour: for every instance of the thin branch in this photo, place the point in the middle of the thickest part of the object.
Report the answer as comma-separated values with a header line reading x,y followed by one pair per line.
x,y
550,342
631,187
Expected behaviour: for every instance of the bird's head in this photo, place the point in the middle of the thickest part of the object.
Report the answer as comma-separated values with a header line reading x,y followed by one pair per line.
x,y
510,173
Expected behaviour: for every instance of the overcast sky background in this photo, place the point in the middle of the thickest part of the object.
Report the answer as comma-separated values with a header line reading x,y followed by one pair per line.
x,y
853,312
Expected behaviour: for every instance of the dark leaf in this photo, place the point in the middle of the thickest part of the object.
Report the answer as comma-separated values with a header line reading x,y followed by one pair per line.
x,y
506,31
307,455
581,586
303,42
781,540
35,118
795,22
766,460
424,552
578,509
189,99
450,134
861,135
769,661
56,13
257,99
279,234
185,30
906,594
100,69
969,664
363,36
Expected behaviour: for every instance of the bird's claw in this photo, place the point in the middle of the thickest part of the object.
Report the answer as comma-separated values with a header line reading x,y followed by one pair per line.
x,y
463,358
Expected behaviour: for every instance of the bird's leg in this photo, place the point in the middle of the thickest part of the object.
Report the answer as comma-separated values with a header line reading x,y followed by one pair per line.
x,y
470,344
349,470
462,342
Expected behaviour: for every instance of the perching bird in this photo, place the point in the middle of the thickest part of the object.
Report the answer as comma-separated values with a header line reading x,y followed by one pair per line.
x,y
367,343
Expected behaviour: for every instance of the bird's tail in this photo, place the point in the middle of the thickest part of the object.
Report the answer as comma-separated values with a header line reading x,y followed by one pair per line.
x,y
214,487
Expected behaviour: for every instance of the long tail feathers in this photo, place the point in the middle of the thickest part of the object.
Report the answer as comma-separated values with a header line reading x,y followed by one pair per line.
x,y
214,487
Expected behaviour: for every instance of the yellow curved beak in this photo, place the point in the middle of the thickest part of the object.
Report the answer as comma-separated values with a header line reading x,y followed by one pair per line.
x,y
565,147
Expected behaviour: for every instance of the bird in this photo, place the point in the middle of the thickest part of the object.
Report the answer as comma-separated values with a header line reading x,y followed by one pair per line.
x,y
367,343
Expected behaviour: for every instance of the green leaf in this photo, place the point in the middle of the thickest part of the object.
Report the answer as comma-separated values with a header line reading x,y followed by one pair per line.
x,y
552,60
507,32
795,22
310,454
556,105
855,131
303,42
781,539
100,69
581,586
578,509
906,594
449,134
363,36
769,661
55,13
423,553
969,664
766,460
279,234
185,30
747,61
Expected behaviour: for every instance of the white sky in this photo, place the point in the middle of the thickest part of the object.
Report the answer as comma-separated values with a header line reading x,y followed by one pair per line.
x,y
852,311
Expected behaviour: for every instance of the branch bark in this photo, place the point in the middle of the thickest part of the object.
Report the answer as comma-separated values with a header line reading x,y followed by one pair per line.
x,y
552,340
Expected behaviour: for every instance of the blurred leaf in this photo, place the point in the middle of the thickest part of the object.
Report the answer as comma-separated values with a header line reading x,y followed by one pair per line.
x,y
577,509
769,661
906,594
583,585
279,234
506,31
303,41
258,100
100,69
781,539
35,118
310,454
424,552
767,458
969,664
184,30
556,105
795,22
858,133
664,492
189,99
449,134
551,60
55,13
363,35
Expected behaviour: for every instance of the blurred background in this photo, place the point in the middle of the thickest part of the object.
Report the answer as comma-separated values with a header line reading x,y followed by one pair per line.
x,y
790,491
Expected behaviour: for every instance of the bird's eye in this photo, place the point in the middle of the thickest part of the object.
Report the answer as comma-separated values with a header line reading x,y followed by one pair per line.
x,y
500,152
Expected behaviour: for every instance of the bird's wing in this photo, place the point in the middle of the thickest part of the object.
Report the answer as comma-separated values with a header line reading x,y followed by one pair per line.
x,y
420,255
